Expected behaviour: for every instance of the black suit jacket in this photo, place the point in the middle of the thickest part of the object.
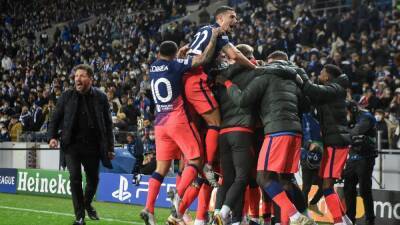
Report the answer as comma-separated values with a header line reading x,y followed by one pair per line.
x,y
64,116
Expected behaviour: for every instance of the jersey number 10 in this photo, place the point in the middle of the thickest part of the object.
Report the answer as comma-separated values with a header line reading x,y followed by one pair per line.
x,y
155,88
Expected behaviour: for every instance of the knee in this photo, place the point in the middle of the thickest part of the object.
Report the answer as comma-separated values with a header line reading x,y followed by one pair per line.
x,y
241,181
365,191
162,170
92,179
75,178
262,180
327,183
253,183
195,163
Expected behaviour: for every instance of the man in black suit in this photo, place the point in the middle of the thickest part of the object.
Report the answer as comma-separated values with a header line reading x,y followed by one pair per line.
x,y
84,118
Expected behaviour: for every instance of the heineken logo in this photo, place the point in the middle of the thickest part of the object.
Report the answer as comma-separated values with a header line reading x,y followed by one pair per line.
x,y
44,182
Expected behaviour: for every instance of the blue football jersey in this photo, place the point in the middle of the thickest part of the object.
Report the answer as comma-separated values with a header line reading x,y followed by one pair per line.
x,y
202,39
167,89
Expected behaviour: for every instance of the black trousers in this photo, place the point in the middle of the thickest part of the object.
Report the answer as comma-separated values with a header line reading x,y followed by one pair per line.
x,y
310,177
75,157
359,172
236,158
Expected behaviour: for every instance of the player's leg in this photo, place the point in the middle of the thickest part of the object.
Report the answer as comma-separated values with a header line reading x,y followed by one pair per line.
x,y
242,157
273,160
237,212
313,205
332,164
266,209
200,97
166,151
190,195
188,140
364,173
203,203
213,120
185,135
155,182
350,189
254,201
307,178
294,193
226,163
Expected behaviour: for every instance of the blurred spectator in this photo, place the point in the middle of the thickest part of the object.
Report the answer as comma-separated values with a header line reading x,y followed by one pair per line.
x,y
38,117
4,135
132,114
368,100
382,126
6,63
149,163
15,128
392,123
26,119
143,104
135,146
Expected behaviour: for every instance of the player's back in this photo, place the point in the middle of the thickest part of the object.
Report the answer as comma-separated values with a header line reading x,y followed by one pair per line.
x,y
167,87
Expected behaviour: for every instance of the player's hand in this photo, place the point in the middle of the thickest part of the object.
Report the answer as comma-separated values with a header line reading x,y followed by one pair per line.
x,y
217,31
219,79
182,51
313,147
53,143
111,155
299,81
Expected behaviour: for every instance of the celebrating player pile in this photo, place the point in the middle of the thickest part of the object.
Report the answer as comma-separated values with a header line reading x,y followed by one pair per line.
x,y
247,96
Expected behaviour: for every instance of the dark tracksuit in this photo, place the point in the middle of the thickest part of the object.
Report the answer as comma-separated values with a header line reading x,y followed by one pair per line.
x,y
236,139
359,167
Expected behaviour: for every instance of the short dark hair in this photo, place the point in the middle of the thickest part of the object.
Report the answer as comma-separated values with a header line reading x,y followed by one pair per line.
x,y
85,67
223,9
333,70
278,55
168,48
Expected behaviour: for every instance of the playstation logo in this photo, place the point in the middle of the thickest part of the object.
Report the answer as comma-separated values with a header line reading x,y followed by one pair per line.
x,y
122,193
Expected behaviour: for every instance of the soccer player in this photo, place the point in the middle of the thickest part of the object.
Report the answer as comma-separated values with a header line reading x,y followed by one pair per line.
x,y
277,101
197,90
174,130
330,101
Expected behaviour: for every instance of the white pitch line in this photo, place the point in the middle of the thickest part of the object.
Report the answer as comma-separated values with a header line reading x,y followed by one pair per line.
x,y
64,214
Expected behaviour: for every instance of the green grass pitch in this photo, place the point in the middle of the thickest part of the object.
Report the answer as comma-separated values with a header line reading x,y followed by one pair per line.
x,y
38,210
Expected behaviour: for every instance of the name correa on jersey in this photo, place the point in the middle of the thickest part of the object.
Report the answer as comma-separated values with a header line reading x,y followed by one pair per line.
x,y
167,87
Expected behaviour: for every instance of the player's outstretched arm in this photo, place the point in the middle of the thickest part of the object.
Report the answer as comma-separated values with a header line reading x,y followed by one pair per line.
x,y
208,53
233,53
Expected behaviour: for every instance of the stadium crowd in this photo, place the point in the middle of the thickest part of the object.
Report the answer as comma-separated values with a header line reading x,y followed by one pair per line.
x,y
120,46
363,43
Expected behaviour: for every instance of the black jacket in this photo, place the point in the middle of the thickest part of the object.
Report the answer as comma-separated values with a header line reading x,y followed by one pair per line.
x,y
275,98
330,101
233,115
363,134
64,116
